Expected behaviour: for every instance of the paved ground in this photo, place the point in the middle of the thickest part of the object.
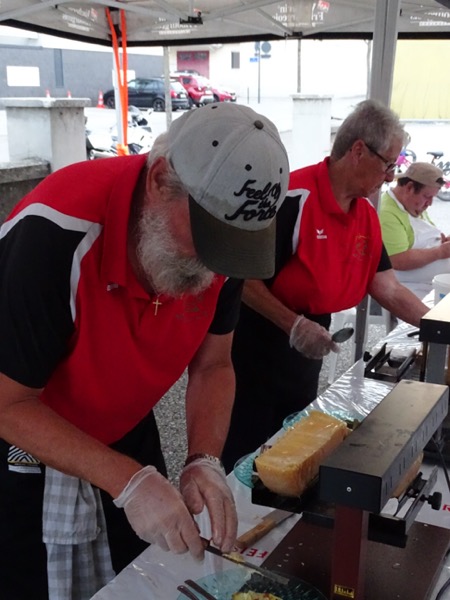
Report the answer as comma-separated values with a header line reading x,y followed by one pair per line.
x,y
170,411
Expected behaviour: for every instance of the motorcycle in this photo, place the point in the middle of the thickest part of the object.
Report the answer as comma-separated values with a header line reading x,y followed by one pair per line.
x,y
102,142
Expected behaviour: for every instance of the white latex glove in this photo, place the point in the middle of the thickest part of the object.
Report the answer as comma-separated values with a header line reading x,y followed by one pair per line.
x,y
203,483
157,513
311,339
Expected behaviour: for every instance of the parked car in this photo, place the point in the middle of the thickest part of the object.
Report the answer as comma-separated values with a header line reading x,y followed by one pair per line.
x,y
193,78
222,94
150,93
197,87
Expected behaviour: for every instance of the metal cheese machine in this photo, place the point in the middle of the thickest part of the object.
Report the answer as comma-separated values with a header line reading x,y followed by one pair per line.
x,y
344,544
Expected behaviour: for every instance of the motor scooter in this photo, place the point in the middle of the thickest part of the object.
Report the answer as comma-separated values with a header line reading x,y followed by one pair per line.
x,y
101,142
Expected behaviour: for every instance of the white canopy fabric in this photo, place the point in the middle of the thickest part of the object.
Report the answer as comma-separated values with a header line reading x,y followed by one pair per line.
x,y
182,22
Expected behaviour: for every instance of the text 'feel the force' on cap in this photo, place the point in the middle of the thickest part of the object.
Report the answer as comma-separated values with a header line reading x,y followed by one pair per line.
x,y
236,170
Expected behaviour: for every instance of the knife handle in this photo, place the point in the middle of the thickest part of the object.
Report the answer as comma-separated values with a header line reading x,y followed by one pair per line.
x,y
255,533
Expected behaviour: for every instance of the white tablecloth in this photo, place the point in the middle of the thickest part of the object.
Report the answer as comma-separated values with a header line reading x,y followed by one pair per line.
x,y
155,574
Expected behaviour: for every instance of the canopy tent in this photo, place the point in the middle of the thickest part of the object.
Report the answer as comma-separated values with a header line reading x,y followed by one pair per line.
x,y
181,22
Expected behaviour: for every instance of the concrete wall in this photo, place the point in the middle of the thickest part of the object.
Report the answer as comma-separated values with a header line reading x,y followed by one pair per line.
x,y
16,180
60,70
51,129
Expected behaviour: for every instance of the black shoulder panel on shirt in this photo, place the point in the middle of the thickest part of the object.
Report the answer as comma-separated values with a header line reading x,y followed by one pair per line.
x,y
385,261
228,305
36,258
285,219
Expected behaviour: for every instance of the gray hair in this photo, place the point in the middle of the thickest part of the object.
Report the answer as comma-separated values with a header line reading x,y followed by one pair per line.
x,y
160,149
374,123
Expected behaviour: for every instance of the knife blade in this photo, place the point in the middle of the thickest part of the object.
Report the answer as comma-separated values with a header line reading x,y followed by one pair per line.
x,y
237,559
266,524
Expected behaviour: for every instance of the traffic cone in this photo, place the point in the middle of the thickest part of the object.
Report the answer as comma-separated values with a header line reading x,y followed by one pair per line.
x,y
100,103
47,94
69,94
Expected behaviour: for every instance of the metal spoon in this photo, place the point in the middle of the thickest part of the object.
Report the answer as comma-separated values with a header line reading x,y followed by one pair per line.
x,y
342,335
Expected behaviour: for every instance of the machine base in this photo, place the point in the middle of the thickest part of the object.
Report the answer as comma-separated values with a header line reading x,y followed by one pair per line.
x,y
408,573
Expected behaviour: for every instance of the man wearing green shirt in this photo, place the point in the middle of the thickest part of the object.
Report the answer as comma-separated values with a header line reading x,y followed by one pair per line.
x,y
417,248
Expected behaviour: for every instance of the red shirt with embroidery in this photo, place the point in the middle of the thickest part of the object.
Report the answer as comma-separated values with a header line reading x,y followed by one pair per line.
x,y
333,255
74,319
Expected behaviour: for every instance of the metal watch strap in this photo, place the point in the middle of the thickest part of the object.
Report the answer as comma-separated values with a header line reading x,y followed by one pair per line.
x,y
200,456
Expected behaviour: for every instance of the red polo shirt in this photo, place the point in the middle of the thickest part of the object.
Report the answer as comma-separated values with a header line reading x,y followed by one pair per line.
x,y
73,317
333,255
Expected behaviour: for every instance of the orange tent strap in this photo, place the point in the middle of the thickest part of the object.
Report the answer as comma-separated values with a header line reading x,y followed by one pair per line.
x,y
122,149
123,24
115,46
121,77
124,88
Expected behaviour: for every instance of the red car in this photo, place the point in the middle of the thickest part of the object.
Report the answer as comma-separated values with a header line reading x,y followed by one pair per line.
x,y
222,94
197,87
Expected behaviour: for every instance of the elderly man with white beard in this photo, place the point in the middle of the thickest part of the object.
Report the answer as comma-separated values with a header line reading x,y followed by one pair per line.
x,y
115,276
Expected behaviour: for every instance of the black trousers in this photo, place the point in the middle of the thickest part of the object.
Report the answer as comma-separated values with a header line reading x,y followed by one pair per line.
x,y
23,557
273,381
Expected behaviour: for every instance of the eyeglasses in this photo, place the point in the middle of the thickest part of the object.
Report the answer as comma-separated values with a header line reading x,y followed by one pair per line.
x,y
390,166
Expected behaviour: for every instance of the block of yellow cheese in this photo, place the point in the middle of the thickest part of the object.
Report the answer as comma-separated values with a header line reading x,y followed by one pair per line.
x,y
293,461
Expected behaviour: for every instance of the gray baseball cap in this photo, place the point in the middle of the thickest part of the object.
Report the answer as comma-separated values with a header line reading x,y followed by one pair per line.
x,y
233,164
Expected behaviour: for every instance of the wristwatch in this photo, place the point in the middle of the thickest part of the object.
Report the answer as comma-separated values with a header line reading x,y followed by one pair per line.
x,y
200,456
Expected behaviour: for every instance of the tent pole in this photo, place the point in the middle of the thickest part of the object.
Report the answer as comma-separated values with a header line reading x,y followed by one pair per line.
x,y
383,54
381,77
167,86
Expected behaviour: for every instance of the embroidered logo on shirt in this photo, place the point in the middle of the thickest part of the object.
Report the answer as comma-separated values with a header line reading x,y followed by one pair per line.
x,y
361,246
321,235
22,462
193,309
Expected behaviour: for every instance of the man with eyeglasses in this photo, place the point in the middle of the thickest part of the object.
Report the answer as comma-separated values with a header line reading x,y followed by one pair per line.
x,y
390,166
330,254
417,248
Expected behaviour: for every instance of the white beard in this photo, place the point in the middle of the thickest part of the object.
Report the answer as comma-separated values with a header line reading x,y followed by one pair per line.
x,y
169,271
